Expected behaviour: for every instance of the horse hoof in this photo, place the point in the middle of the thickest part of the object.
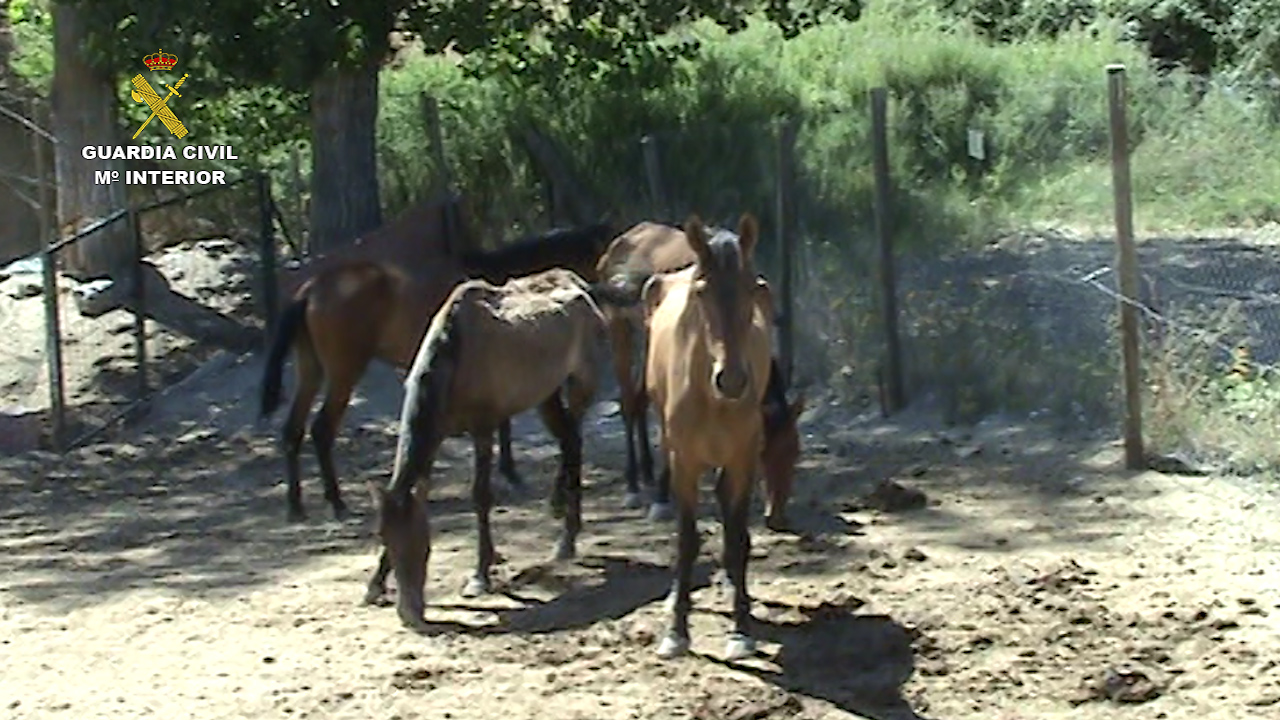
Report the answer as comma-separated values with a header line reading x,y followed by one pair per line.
x,y
660,511
416,624
475,587
776,523
739,647
296,515
341,512
633,501
673,647
377,598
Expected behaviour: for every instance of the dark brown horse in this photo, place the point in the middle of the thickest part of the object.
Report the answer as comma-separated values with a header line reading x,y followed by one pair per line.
x,y
490,352
356,310
646,250
706,371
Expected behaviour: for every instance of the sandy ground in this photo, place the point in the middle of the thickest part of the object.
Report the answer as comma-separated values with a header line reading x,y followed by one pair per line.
x,y
156,577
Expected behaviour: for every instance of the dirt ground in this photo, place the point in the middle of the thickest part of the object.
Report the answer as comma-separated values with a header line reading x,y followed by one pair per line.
x,y
156,577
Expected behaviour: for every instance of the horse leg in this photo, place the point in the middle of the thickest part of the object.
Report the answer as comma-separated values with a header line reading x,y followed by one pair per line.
x,y
642,421
376,592
482,501
685,479
733,489
661,509
507,461
566,494
309,374
324,431
622,342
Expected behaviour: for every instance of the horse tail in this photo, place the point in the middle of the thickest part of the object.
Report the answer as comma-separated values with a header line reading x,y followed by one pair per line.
x,y
291,322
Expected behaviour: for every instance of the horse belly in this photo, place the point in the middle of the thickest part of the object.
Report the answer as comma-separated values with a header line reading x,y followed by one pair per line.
x,y
525,369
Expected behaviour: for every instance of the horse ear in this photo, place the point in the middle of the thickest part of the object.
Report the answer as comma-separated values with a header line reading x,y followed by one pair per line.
x,y
748,234
696,234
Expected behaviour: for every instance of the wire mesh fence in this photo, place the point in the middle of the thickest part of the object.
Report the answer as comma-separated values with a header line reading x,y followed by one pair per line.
x,y
191,283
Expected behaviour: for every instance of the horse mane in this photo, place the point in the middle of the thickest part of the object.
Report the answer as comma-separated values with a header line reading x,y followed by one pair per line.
x,y
540,251
427,388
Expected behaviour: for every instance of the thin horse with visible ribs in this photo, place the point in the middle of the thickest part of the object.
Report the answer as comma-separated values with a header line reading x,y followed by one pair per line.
x,y
355,311
490,352
706,371
646,250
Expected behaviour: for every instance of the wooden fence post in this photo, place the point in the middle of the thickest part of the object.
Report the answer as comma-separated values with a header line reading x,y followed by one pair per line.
x,y
888,282
49,273
786,236
296,207
1126,268
653,172
435,134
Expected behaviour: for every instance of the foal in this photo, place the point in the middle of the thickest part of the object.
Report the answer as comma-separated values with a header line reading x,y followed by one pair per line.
x,y
706,371
490,352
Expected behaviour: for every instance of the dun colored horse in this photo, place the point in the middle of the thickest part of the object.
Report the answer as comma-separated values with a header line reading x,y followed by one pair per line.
x,y
351,313
707,370
490,352
645,250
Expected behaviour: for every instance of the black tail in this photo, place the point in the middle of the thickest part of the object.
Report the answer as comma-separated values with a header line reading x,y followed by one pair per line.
x,y
273,373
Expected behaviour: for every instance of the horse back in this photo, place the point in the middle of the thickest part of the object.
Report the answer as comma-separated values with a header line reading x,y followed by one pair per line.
x,y
521,340
645,249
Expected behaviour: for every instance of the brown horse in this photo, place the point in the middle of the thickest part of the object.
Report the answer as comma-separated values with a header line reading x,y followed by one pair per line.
x,y
490,352
706,371
351,313
648,249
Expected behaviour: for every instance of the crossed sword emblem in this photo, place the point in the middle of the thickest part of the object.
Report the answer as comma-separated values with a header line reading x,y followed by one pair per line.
x,y
143,92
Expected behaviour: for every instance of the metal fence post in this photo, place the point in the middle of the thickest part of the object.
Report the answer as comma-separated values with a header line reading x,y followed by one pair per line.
x,y
267,250
49,276
139,300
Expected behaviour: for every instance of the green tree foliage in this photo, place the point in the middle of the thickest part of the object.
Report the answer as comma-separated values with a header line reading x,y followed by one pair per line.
x,y
1204,36
608,43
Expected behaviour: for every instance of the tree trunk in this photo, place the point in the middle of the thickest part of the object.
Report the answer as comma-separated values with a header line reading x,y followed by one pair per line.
x,y
344,164
7,45
84,113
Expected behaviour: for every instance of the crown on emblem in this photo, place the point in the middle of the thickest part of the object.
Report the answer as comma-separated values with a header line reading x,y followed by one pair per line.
x,y
161,60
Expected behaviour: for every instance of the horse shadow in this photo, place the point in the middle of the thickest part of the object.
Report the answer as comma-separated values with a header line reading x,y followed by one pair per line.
x,y
593,589
856,662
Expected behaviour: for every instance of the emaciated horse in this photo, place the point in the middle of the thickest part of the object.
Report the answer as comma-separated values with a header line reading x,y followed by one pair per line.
x,y
706,371
351,313
646,250
491,352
